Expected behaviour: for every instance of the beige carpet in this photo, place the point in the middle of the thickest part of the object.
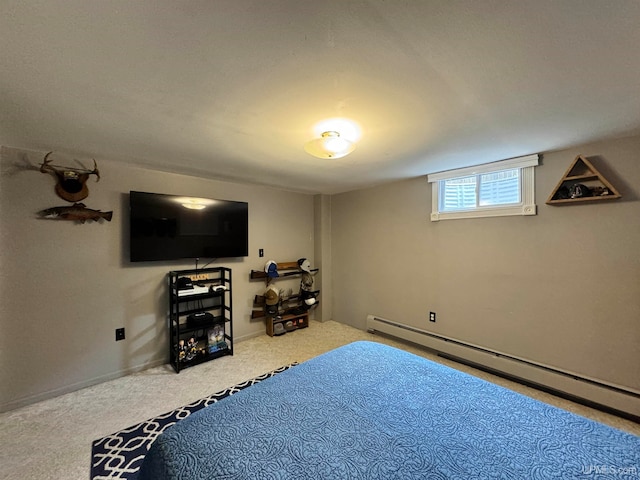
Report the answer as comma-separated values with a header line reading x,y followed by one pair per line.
x,y
52,439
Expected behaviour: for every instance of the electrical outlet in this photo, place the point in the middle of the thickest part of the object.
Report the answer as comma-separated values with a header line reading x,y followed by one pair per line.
x,y
261,252
119,334
432,316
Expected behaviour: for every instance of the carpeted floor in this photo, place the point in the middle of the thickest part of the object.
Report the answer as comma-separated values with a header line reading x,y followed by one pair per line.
x,y
52,439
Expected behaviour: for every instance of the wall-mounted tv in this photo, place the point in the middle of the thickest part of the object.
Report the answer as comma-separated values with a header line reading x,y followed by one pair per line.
x,y
170,227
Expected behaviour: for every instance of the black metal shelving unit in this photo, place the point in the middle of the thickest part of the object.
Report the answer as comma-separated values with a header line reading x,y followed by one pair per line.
x,y
191,344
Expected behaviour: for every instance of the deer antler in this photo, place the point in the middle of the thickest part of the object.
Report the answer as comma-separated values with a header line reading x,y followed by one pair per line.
x,y
48,167
45,167
95,170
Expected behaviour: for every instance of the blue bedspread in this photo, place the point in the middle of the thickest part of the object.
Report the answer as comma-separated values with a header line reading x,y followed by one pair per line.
x,y
369,411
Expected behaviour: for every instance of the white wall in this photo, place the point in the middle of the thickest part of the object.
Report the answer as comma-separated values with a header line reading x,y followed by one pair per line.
x,y
561,288
66,287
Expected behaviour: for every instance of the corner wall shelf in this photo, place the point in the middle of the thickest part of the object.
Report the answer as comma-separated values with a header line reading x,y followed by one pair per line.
x,y
582,172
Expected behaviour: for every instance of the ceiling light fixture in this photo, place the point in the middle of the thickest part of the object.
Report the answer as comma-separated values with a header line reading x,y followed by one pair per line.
x,y
194,206
194,203
329,145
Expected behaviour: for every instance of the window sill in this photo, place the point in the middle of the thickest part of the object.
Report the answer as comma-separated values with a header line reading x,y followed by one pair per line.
x,y
488,212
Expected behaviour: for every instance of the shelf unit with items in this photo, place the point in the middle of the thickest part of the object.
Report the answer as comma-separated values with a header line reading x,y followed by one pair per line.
x,y
290,314
288,322
285,269
582,182
285,312
200,316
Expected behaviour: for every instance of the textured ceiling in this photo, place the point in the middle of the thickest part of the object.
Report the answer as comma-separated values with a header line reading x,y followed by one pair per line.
x,y
231,89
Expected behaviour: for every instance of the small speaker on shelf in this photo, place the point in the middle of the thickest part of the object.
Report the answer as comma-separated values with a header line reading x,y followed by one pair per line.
x,y
200,319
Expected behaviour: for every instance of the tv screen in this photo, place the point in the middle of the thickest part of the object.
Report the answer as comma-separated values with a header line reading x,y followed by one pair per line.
x,y
169,227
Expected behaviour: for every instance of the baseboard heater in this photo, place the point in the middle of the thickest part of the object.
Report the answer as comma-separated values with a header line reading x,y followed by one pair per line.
x,y
617,399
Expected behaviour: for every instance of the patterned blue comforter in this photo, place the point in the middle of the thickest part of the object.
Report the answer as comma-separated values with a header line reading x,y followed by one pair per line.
x,y
369,411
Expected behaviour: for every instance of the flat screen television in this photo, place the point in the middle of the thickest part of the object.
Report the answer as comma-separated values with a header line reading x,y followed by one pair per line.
x,y
170,227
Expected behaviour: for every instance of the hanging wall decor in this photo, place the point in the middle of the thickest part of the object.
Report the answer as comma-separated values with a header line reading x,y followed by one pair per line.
x,y
582,182
71,182
77,212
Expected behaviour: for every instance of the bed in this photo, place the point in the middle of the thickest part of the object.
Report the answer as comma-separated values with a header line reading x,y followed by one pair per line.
x,y
370,411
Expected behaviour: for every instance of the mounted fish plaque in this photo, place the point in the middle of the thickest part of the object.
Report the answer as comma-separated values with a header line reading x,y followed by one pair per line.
x,y
78,212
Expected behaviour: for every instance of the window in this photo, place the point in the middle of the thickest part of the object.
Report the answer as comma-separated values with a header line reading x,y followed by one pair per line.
x,y
489,190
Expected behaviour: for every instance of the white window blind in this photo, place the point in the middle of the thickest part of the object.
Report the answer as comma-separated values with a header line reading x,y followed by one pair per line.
x,y
493,189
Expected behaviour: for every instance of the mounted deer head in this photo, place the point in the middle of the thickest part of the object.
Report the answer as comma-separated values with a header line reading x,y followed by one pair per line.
x,y
71,182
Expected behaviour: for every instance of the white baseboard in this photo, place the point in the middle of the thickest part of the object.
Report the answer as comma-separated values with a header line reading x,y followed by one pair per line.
x,y
24,401
29,400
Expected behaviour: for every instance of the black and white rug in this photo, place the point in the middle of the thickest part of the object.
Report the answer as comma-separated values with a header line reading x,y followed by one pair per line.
x,y
119,455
